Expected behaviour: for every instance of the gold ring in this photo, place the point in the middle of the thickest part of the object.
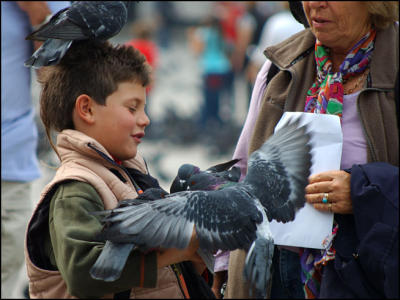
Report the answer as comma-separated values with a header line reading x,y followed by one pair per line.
x,y
330,207
325,198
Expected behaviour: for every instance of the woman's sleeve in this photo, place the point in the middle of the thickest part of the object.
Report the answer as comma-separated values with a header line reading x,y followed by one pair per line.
x,y
242,146
375,197
73,232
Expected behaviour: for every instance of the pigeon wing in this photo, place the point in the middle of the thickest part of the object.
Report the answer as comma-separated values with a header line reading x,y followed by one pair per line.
x,y
223,166
279,171
84,20
224,219
99,19
59,27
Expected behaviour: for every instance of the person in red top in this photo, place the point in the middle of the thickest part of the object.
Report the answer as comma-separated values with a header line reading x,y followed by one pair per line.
x,y
143,41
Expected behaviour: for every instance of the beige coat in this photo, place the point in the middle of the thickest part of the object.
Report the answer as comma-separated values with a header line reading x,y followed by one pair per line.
x,y
79,162
287,92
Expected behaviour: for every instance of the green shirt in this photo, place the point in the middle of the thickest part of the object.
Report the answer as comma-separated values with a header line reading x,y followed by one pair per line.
x,y
73,249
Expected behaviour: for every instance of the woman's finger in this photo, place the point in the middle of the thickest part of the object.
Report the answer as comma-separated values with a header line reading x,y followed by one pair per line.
x,y
323,176
319,187
329,207
318,198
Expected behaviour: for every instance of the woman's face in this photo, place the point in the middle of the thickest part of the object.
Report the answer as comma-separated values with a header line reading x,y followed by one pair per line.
x,y
337,24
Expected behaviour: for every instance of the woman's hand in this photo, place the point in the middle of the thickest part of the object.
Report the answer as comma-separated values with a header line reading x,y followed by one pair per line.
x,y
333,184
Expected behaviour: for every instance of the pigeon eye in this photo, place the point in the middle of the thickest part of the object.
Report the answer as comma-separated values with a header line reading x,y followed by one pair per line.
x,y
193,183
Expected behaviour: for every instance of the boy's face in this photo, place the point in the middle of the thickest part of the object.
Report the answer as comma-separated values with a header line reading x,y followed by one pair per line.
x,y
120,124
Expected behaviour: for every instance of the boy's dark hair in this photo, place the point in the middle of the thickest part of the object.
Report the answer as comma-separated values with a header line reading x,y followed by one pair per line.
x,y
89,67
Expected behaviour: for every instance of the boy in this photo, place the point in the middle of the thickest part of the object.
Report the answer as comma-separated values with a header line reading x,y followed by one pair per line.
x,y
95,97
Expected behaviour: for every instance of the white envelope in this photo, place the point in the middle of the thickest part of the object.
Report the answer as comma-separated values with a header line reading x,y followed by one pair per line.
x,y
310,226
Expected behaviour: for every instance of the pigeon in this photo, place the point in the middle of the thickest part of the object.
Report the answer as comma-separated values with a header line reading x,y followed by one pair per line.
x,y
112,259
233,217
191,178
83,20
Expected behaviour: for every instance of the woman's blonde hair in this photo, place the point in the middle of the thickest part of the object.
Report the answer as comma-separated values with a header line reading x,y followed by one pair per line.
x,y
383,13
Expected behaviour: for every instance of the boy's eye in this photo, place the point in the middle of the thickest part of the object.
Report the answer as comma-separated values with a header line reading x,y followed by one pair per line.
x,y
132,109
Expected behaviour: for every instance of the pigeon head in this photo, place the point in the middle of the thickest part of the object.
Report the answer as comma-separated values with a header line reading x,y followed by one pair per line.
x,y
184,173
204,182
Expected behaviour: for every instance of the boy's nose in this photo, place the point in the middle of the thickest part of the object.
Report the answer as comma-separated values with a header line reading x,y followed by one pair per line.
x,y
144,119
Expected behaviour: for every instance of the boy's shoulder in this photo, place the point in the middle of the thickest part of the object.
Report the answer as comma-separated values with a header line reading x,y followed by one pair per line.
x,y
72,188
77,189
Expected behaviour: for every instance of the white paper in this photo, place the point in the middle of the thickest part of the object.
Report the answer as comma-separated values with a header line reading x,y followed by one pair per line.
x,y
310,226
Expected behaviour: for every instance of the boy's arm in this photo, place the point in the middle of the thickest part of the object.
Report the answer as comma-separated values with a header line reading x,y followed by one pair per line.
x,y
73,231
171,256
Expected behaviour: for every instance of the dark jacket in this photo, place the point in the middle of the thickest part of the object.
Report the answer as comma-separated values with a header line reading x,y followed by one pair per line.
x,y
367,243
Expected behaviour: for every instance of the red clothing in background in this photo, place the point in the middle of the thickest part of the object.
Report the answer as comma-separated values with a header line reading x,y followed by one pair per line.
x,y
149,50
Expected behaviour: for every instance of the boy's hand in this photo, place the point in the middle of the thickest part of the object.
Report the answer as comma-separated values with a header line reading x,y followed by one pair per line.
x,y
219,279
170,256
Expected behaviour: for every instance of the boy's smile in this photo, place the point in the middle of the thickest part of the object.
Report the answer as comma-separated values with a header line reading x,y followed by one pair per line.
x,y
119,125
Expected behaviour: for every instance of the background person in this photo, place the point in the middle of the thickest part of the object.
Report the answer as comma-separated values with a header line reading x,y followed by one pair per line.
x,y
19,136
208,44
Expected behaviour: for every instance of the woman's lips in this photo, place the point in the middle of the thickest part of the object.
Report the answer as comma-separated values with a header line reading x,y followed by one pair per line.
x,y
318,23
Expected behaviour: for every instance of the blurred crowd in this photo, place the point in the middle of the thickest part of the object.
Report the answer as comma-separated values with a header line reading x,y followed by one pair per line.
x,y
227,39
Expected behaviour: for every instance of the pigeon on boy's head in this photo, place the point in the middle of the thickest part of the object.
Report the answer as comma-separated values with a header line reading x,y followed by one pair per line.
x,y
83,20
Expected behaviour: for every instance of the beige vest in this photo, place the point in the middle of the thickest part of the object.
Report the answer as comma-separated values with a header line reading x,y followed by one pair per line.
x,y
287,92
79,162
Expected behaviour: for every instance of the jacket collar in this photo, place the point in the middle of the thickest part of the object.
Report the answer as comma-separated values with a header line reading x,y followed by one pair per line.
x,y
73,144
383,75
286,52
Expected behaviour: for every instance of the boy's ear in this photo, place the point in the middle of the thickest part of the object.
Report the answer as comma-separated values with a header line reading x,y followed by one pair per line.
x,y
84,108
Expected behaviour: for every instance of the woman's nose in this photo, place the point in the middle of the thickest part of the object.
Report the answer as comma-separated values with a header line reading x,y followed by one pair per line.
x,y
317,4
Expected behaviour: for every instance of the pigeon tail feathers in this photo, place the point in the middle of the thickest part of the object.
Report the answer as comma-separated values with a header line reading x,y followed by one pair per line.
x,y
257,269
50,53
111,261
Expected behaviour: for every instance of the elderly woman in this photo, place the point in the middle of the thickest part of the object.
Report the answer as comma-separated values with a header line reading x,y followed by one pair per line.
x,y
345,64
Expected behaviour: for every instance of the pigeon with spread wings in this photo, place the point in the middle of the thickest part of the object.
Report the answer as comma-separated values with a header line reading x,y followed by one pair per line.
x,y
112,259
83,20
234,217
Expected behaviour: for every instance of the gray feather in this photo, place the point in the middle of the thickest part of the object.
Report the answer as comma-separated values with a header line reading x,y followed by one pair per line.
x,y
110,263
50,53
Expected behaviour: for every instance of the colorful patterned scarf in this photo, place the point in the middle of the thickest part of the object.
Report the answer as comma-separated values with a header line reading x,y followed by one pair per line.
x,y
326,96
